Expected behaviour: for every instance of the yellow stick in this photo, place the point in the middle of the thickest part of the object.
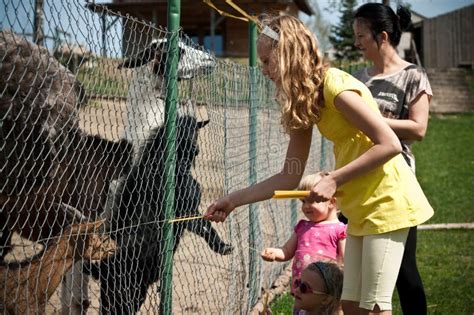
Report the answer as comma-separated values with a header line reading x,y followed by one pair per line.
x,y
297,194
185,219
278,194
290,194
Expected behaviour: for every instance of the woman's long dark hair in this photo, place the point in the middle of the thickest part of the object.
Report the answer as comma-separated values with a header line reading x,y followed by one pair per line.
x,y
381,18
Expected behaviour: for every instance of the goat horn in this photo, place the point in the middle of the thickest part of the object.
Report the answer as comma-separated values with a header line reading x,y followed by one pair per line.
x,y
202,123
142,58
72,212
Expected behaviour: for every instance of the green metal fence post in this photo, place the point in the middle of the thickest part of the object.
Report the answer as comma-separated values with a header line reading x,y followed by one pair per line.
x,y
294,212
166,289
322,160
253,216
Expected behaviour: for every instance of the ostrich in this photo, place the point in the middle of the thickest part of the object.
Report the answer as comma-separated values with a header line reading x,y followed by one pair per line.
x,y
137,223
45,159
47,164
29,285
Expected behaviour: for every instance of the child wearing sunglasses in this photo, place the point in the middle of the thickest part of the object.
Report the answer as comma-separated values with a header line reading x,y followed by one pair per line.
x,y
322,236
318,290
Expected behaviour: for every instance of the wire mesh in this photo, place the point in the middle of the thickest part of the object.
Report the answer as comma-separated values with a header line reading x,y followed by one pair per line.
x,y
82,172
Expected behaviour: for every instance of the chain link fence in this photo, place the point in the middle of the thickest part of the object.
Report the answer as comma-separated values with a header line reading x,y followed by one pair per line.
x,y
82,169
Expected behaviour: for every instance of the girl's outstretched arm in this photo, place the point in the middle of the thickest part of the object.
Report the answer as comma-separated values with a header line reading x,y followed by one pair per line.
x,y
284,253
293,168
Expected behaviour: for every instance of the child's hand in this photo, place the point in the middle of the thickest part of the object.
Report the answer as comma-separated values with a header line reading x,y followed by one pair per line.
x,y
268,254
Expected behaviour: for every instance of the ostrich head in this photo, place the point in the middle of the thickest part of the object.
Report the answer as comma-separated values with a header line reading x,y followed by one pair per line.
x,y
192,61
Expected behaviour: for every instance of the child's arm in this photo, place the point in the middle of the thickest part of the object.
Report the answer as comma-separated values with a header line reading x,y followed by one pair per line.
x,y
284,253
341,248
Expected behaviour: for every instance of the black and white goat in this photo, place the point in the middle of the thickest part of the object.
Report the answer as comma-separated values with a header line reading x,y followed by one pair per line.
x,y
137,224
145,112
137,215
147,91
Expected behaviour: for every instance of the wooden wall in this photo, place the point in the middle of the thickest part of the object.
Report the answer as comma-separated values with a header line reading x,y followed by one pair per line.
x,y
448,40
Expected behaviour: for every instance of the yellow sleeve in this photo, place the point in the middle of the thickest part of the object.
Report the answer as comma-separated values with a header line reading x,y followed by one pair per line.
x,y
337,81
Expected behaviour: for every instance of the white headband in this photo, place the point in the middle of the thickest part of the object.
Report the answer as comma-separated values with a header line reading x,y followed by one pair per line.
x,y
270,33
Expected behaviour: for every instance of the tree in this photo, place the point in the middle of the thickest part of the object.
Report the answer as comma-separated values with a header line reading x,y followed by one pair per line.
x,y
342,37
319,26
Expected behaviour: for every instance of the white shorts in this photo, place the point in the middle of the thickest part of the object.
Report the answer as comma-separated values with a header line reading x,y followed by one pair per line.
x,y
371,266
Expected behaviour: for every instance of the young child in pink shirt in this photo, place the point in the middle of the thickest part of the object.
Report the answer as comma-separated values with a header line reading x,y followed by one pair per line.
x,y
321,237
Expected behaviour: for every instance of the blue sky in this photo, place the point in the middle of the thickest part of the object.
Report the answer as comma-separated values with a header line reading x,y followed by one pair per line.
x,y
83,25
431,8
427,8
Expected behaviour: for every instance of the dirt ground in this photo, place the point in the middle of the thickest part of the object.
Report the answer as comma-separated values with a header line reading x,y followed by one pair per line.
x,y
205,282
200,276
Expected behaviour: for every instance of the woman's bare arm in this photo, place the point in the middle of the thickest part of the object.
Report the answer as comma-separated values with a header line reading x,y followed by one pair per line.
x,y
288,178
414,128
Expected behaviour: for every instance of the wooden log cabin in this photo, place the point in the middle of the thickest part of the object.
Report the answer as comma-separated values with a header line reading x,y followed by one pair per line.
x,y
226,37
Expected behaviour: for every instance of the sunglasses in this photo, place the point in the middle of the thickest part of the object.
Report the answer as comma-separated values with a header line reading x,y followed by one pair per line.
x,y
305,288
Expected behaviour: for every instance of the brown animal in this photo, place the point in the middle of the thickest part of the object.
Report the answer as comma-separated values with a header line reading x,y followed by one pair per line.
x,y
27,286
45,159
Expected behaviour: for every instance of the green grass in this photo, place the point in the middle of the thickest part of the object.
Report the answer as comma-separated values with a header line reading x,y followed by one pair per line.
x,y
445,261
282,305
108,82
445,169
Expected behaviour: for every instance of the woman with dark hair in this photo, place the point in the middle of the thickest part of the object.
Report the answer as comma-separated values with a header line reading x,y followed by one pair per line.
x,y
403,93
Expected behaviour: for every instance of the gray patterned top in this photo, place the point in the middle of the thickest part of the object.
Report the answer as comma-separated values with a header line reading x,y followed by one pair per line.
x,y
394,93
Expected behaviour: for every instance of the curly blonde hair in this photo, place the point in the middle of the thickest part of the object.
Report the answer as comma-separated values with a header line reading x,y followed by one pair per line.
x,y
301,70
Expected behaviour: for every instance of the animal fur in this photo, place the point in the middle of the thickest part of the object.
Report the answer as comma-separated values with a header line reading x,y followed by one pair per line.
x,y
26,287
126,276
137,215
45,159
147,91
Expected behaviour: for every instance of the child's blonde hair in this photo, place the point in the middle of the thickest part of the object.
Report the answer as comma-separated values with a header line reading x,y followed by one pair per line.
x,y
333,277
301,70
309,181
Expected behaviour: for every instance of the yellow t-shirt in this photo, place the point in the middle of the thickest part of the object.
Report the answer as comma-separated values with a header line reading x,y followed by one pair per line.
x,y
387,198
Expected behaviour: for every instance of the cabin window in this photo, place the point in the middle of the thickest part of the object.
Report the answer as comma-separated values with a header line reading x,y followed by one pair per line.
x,y
218,43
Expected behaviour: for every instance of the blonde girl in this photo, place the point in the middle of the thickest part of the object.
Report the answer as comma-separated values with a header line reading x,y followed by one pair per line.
x,y
320,236
378,192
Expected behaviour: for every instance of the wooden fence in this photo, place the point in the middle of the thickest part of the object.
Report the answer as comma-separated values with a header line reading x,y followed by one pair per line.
x,y
448,40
